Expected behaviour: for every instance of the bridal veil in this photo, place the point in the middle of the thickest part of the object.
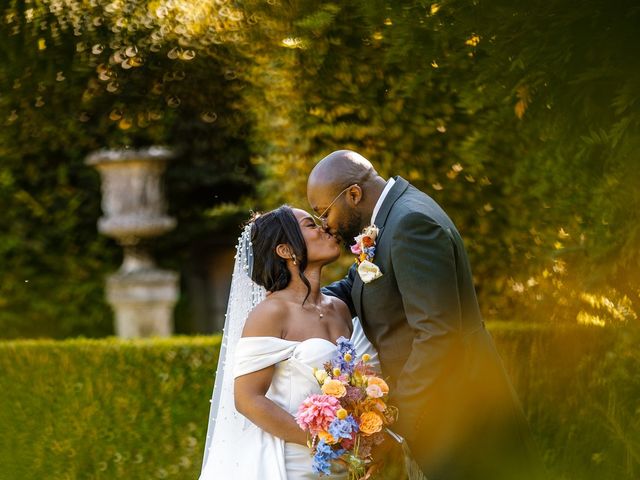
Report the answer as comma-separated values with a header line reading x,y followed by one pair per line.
x,y
225,423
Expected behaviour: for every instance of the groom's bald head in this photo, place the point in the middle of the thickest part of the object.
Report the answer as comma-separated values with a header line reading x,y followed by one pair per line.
x,y
343,188
340,169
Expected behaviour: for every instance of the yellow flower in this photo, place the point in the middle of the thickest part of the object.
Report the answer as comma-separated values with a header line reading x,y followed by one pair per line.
x,y
358,379
347,357
366,357
320,375
342,413
336,372
370,422
335,388
379,382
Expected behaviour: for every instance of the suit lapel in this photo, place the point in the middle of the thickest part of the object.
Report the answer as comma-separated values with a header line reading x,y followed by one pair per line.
x,y
356,295
392,197
394,194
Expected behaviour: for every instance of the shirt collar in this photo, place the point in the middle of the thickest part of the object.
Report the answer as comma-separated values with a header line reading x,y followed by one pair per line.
x,y
383,195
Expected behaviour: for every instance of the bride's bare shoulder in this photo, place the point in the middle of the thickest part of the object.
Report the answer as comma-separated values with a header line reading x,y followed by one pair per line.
x,y
267,319
340,307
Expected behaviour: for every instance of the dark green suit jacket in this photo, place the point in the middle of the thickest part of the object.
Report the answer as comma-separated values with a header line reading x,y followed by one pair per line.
x,y
446,378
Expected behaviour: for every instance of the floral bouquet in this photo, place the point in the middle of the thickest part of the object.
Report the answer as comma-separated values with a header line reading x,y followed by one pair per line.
x,y
348,418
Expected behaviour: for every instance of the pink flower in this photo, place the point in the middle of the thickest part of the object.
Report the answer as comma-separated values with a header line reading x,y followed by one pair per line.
x,y
317,412
374,391
355,249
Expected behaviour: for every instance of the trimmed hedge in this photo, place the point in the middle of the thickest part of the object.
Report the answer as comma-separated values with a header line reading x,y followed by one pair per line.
x,y
103,409
99,409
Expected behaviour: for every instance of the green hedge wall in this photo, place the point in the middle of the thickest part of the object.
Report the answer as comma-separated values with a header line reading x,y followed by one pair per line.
x,y
102,409
98,409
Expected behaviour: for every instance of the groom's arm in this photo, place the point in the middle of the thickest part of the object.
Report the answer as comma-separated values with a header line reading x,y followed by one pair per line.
x,y
423,257
342,289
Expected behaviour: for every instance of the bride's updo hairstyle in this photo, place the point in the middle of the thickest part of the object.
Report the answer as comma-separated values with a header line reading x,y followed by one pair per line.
x,y
269,230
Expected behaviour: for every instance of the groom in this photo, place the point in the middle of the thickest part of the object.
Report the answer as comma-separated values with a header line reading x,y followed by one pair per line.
x,y
458,412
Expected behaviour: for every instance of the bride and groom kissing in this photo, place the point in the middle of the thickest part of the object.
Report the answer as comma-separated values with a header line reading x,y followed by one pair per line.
x,y
409,304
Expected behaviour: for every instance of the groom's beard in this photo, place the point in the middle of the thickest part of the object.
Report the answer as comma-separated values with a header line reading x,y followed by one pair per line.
x,y
350,228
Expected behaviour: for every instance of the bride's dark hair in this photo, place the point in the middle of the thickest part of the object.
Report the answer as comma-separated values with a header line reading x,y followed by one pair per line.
x,y
269,230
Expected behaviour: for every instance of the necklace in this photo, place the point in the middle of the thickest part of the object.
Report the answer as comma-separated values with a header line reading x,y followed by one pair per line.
x,y
317,307
320,314
314,305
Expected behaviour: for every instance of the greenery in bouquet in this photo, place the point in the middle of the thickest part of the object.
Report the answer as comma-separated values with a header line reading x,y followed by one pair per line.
x,y
347,419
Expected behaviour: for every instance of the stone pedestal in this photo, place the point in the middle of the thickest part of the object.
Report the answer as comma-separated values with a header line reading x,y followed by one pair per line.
x,y
141,295
143,302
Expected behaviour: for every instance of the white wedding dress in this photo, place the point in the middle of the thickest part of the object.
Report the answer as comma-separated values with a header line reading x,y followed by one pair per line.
x,y
256,454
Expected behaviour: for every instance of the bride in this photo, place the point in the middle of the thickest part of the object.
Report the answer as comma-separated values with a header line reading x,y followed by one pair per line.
x,y
269,349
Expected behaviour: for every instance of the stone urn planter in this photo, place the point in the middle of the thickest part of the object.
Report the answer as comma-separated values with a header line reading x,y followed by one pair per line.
x,y
134,211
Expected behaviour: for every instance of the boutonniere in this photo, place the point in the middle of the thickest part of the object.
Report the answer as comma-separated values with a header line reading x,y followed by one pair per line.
x,y
365,251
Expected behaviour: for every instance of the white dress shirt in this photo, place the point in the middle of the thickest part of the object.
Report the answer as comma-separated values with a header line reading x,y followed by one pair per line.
x,y
383,195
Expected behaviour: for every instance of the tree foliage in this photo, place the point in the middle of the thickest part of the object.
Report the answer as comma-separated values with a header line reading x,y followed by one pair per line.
x,y
80,76
522,120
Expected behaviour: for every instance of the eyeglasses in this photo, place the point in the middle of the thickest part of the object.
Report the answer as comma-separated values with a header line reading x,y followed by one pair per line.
x,y
322,218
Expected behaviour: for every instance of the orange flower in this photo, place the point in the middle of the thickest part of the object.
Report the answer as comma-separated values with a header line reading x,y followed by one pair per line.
x,y
326,437
379,382
374,404
367,241
378,404
370,422
335,388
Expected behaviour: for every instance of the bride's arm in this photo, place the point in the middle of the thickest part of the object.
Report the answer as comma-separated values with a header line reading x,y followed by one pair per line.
x,y
266,320
251,402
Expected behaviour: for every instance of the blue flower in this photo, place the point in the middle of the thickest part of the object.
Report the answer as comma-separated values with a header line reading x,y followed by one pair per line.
x,y
344,347
343,428
323,456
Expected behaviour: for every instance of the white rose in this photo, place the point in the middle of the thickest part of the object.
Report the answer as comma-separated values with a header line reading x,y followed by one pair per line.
x,y
321,376
371,231
368,271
